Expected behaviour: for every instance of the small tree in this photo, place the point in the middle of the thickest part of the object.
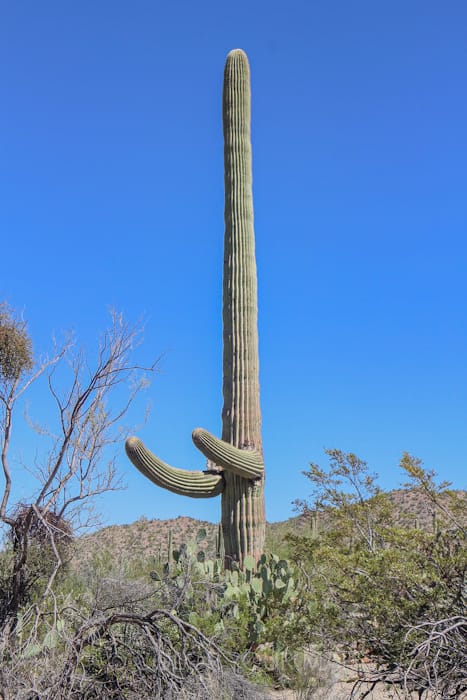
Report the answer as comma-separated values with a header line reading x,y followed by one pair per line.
x,y
348,493
77,465
378,591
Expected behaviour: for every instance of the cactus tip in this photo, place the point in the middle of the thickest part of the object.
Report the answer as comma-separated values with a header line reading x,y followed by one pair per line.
x,y
131,443
237,52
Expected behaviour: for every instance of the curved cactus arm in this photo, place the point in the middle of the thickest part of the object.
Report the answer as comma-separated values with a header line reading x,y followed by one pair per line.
x,y
180,481
245,463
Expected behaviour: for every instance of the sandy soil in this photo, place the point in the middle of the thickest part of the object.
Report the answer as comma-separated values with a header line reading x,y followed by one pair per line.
x,y
339,687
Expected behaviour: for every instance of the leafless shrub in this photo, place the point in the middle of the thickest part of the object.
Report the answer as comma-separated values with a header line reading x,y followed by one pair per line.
x,y
77,466
439,658
124,655
76,463
438,666
114,639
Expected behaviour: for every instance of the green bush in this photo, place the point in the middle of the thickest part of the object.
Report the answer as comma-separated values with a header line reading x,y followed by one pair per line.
x,y
378,592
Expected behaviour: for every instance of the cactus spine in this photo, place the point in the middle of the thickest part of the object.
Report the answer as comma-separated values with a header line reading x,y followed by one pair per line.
x,y
235,463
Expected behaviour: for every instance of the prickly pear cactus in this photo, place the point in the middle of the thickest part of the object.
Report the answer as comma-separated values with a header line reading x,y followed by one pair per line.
x,y
267,584
235,463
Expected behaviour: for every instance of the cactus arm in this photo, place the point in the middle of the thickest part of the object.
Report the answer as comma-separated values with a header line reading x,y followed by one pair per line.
x,y
180,481
247,464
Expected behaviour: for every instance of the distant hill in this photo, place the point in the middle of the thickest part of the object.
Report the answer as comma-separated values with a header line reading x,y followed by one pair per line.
x,y
145,538
411,509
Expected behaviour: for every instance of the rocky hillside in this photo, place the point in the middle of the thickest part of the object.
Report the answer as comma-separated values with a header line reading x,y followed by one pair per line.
x,y
145,538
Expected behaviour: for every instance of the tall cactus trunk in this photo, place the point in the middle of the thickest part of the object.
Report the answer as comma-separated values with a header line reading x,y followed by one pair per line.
x,y
243,518
241,415
235,463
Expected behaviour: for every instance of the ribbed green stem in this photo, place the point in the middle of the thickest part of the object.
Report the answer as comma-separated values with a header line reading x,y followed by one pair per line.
x,y
220,549
170,548
241,415
238,457
181,481
243,518
245,463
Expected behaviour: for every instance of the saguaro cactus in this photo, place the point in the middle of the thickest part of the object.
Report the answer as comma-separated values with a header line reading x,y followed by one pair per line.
x,y
235,466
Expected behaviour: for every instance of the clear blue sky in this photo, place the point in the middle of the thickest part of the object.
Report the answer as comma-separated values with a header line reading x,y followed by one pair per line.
x,y
111,181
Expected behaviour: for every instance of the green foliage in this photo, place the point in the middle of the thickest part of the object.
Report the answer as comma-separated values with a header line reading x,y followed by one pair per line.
x,y
244,609
262,597
372,589
449,506
348,496
359,585
15,346
266,587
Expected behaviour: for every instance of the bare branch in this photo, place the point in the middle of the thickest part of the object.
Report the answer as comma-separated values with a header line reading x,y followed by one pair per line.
x,y
90,401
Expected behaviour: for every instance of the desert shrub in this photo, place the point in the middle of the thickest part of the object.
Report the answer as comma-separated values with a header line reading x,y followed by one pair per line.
x,y
37,548
106,634
376,591
16,354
